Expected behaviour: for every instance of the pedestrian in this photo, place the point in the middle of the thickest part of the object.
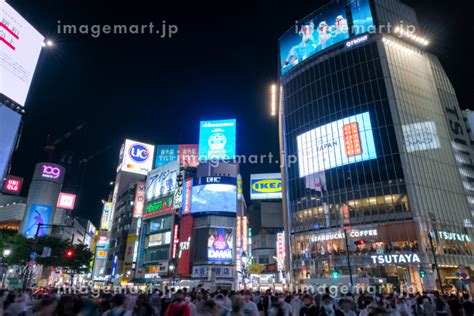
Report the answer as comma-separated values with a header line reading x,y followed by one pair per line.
x,y
345,308
468,305
178,306
143,306
118,309
249,308
327,306
308,308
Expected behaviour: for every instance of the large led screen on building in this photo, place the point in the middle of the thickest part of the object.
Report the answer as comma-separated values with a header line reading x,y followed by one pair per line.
x,y
214,195
362,21
137,157
339,143
38,215
9,124
162,181
265,186
20,47
217,140
219,245
318,31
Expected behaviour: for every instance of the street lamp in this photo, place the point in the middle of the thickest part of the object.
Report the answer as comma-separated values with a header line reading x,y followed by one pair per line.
x,y
6,253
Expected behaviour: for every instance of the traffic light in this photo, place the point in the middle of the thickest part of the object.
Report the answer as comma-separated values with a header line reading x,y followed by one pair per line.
x,y
335,274
422,273
69,253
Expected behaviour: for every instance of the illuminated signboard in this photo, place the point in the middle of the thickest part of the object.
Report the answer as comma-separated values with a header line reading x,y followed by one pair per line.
x,y
221,272
166,154
20,47
188,155
348,140
280,246
175,241
183,268
162,181
139,199
362,21
219,245
454,236
49,171
159,239
12,185
265,186
38,215
186,199
10,123
396,258
160,206
320,30
217,140
137,157
214,195
105,219
66,201
357,40
420,136
340,235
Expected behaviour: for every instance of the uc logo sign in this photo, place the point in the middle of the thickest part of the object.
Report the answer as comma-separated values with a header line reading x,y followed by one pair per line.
x,y
139,153
267,186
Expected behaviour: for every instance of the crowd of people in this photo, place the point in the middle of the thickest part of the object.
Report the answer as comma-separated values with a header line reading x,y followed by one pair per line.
x,y
201,302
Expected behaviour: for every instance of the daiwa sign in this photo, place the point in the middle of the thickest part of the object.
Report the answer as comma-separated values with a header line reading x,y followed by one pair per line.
x,y
265,186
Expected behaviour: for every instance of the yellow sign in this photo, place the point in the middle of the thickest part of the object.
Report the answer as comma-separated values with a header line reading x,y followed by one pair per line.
x,y
256,268
267,186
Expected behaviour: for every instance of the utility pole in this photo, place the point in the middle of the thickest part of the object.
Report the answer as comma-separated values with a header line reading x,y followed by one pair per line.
x,y
435,266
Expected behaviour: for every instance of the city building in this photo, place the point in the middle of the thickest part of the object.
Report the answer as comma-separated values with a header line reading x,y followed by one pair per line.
x,y
377,193
12,212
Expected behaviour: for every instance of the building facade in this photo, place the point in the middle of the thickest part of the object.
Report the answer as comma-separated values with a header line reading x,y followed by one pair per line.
x,y
376,126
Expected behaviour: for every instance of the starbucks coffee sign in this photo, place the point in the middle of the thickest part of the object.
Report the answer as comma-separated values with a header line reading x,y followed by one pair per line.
x,y
396,258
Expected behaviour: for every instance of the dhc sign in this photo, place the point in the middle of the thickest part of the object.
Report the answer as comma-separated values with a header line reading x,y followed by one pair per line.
x,y
395,258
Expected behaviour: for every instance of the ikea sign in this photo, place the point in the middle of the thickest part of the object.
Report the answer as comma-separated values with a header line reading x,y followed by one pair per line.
x,y
265,186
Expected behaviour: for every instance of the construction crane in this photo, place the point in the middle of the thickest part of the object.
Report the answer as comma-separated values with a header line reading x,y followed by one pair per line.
x,y
51,145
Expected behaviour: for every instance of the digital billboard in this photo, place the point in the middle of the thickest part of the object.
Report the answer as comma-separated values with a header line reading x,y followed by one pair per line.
x,y
38,215
219,245
159,206
420,136
66,201
217,140
105,219
137,157
318,31
188,155
139,202
362,20
162,181
265,186
20,47
348,140
165,154
214,195
9,124
12,185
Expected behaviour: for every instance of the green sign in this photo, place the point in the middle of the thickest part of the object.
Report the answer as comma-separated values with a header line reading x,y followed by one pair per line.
x,y
159,206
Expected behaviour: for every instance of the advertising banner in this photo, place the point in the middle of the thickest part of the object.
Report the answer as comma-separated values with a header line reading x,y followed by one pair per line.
x,y
162,181
339,143
188,155
222,272
220,245
66,201
12,185
159,206
137,157
420,136
139,202
20,47
320,30
183,268
265,186
214,195
39,214
166,154
105,219
186,199
49,172
10,123
361,16
217,140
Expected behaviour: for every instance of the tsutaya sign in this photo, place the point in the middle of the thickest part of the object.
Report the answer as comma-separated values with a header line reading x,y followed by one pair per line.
x,y
340,235
395,258
454,236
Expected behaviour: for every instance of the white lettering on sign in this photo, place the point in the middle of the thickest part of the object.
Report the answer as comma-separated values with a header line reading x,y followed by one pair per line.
x,y
357,40
395,258
220,254
454,236
213,179
340,235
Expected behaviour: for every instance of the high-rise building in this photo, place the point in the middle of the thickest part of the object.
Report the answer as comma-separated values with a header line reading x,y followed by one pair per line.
x,y
381,145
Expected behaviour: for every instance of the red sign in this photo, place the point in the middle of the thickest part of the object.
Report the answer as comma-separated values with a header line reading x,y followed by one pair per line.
x,y
187,197
66,201
345,216
12,185
184,248
352,139
139,202
188,155
175,241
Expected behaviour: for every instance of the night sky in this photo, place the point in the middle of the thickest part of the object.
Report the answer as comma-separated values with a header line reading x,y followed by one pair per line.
x,y
156,90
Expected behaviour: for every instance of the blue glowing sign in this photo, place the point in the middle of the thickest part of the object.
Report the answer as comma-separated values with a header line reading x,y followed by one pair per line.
x,y
9,122
214,195
362,21
339,143
165,154
220,245
38,216
217,140
320,30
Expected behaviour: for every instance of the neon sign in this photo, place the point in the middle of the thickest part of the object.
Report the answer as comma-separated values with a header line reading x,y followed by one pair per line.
x,y
395,258
50,172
